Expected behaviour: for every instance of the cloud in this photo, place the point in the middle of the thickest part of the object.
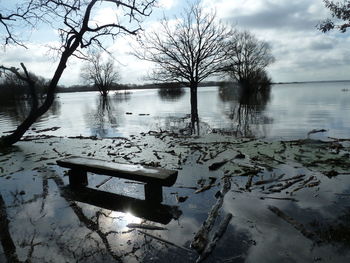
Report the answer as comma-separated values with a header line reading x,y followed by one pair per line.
x,y
167,4
301,51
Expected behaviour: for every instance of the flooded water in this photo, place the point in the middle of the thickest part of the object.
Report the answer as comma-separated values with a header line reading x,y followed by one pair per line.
x,y
235,199
288,111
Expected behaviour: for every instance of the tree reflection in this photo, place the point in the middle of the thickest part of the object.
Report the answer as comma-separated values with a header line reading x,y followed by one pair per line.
x,y
245,106
16,109
122,96
171,93
104,118
187,125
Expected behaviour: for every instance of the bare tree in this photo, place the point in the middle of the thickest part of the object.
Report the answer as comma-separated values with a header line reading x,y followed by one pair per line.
x,y
73,19
100,74
248,58
23,14
187,52
339,11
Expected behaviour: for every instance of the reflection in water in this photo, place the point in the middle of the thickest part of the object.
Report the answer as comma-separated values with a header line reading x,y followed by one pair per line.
x,y
122,96
105,116
16,110
309,106
189,124
171,94
154,212
245,109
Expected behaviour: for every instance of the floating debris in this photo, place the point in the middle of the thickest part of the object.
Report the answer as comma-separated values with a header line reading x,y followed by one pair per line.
x,y
144,226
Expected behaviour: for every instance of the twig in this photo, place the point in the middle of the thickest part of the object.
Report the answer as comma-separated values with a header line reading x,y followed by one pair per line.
x,y
104,181
279,198
204,188
269,180
143,226
165,241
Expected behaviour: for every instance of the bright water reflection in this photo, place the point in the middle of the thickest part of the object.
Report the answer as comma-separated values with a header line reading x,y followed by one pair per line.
x,y
288,111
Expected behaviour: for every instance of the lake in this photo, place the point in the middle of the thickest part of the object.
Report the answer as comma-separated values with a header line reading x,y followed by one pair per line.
x,y
289,111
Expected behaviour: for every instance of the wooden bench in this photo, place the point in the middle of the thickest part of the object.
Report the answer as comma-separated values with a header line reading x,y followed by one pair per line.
x,y
154,178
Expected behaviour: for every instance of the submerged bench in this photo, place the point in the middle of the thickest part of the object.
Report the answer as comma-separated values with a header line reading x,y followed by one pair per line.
x,y
154,178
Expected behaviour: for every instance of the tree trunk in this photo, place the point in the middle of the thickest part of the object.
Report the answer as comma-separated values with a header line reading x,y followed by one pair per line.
x,y
34,114
194,107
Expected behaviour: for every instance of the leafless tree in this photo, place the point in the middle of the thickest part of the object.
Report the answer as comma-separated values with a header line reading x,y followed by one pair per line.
x,y
100,74
340,11
73,19
23,14
248,58
187,49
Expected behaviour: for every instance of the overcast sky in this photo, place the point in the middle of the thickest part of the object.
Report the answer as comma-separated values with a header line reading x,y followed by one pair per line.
x,y
302,52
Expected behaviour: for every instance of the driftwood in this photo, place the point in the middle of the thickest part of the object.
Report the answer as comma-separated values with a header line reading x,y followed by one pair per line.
x,y
303,184
279,198
200,240
293,178
249,181
204,188
48,129
315,131
298,226
285,186
218,234
217,165
269,180
143,226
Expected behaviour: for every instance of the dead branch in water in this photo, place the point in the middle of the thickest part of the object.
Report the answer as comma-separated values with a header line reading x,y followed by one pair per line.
x,y
200,240
269,180
218,234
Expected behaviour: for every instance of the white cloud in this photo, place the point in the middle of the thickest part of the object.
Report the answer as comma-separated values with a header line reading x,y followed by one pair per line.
x,y
167,4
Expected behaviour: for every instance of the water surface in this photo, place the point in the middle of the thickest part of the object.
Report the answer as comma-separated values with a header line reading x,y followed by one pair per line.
x,y
289,111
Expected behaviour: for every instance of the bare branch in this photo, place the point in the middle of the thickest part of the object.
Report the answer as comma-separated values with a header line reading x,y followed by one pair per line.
x,y
188,52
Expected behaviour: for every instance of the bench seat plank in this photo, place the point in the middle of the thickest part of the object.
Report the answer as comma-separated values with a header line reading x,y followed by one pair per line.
x,y
139,173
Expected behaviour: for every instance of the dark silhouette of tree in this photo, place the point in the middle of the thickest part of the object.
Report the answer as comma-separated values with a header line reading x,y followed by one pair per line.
x,y
23,14
102,75
188,52
339,11
248,59
12,87
72,18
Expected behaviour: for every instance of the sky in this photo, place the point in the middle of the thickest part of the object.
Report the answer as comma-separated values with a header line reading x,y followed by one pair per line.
x,y
302,52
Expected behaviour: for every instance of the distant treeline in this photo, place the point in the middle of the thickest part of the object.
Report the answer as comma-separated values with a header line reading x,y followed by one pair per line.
x,y
83,88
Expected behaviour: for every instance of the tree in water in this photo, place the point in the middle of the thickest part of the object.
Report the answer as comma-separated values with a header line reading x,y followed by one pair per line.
x,y
248,59
100,74
339,11
73,19
186,51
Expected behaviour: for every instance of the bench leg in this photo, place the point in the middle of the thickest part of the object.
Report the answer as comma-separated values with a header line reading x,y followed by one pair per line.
x,y
153,193
77,178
